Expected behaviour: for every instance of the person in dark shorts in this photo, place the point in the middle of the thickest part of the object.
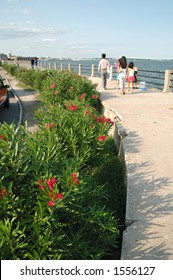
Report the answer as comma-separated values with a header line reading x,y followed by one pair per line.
x,y
135,83
32,63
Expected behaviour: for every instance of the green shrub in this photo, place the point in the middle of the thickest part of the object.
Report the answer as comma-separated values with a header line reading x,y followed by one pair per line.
x,y
66,86
30,227
60,186
11,68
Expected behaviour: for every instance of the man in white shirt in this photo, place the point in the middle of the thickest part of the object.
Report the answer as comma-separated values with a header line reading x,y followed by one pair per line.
x,y
102,67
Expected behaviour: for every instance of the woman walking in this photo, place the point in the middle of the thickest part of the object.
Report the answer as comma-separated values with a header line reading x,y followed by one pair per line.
x,y
122,73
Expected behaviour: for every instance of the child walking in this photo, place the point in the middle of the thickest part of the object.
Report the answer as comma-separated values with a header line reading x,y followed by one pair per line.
x,y
130,76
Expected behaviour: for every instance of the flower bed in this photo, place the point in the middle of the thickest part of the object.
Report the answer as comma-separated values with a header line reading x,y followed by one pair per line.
x,y
62,193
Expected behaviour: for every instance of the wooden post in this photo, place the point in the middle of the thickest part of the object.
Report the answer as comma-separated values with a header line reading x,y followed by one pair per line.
x,y
69,66
61,66
167,82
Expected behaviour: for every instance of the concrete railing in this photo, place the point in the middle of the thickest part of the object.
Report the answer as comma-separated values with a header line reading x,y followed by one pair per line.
x,y
168,81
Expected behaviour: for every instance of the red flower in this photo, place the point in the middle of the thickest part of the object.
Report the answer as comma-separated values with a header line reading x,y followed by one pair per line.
x,y
102,119
41,187
101,138
55,196
2,137
74,179
108,120
60,196
56,92
51,183
3,193
52,86
50,203
87,112
94,96
49,125
40,181
73,108
82,96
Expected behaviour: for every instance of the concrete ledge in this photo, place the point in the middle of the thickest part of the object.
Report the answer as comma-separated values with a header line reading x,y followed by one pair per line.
x,y
117,131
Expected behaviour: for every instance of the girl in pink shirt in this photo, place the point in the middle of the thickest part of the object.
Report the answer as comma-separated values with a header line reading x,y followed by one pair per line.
x,y
130,76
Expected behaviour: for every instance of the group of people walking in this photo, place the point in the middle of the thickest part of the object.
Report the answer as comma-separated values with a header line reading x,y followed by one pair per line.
x,y
124,73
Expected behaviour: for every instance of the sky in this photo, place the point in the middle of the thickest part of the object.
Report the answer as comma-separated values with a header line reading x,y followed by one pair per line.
x,y
87,28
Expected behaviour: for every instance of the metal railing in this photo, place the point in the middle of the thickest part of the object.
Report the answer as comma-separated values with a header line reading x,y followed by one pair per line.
x,y
155,78
160,79
171,80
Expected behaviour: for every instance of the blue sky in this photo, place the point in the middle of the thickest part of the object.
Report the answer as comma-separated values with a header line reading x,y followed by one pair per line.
x,y
87,28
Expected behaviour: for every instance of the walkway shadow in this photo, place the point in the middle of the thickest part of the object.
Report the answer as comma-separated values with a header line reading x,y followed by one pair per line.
x,y
149,214
131,141
149,196
106,95
149,207
144,242
153,193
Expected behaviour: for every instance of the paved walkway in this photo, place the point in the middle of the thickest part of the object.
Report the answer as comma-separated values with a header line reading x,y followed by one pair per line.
x,y
147,118
29,100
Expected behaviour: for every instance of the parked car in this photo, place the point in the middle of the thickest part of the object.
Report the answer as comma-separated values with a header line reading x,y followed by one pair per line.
x,y
4,94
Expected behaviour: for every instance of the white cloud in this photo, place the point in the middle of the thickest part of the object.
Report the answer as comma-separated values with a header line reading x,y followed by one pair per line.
x,y
20,30
16,11
49,40
24,12
10,1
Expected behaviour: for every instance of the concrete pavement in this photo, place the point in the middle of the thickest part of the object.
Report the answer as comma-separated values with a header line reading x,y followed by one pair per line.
x,y
147,122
